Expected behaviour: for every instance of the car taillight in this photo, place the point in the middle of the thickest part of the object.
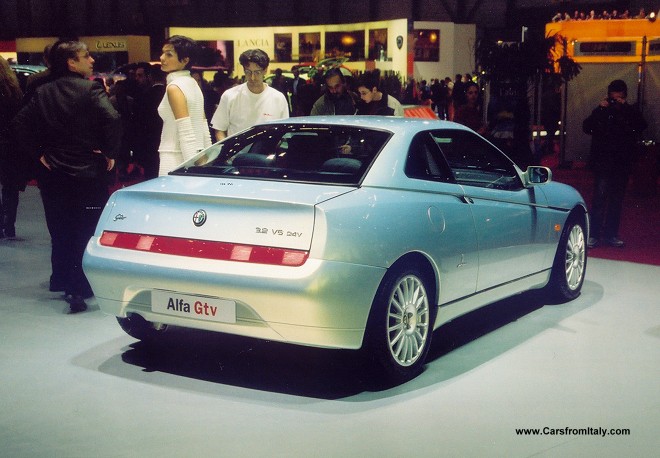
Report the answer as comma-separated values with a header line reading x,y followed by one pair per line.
x,y
204,249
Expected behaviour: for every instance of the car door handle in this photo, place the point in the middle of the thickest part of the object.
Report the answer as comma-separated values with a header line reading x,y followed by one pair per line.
x,y
467,200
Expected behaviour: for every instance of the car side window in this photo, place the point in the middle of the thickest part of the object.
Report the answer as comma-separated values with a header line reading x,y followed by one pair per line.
x,y
425,161
475,162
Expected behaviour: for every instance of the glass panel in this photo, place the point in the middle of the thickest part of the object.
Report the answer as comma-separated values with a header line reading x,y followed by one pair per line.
x,y
282,47
427,45
425,161
378,44
345,44
296,152
475,162
309,47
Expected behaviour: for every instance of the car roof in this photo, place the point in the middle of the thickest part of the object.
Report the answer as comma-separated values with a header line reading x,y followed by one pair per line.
x,y
286,74
397,125
28,68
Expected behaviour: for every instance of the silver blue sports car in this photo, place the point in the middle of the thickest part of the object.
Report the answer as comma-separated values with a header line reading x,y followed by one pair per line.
x,y
355,233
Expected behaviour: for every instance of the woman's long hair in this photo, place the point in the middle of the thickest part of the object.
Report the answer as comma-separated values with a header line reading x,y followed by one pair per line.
x,y
9,87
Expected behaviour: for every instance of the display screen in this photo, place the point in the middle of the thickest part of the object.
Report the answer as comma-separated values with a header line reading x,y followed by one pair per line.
x,y
605,48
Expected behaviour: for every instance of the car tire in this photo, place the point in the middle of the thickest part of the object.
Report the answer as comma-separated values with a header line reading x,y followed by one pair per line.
x,y
400,325
136,326
570,264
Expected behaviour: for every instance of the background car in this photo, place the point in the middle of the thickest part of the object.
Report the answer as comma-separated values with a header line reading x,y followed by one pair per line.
x,y
355,233
322,65
23,72
287,75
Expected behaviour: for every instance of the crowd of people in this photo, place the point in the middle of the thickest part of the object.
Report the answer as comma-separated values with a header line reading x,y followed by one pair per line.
x,y
604,15
446,97
75,134
333,93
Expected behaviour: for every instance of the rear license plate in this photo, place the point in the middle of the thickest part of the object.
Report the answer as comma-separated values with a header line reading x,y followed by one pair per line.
x,y
196,307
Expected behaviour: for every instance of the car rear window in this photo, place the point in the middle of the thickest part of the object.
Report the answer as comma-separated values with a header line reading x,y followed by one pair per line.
x,y
292,152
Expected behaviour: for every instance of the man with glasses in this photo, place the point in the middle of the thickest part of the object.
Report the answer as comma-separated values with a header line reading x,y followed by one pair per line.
x,y
249,103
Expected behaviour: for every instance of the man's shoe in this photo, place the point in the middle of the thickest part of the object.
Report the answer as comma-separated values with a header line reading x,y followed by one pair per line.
x,y
76,303
592,242
615,242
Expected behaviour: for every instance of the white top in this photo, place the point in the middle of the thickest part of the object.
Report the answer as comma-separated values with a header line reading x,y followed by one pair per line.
x,y
170,149
239,108
396,106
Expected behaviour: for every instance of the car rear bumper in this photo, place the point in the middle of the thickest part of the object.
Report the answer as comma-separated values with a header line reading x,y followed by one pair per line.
x,y
322,303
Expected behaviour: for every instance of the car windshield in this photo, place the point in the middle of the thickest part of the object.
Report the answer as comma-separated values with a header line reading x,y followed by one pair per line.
x,y
292,152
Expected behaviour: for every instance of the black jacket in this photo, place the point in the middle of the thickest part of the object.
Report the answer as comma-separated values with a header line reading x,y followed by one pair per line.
x,y
66,120
615,131
380,107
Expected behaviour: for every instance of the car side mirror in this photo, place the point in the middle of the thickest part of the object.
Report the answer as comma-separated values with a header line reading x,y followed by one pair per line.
x,y
537,175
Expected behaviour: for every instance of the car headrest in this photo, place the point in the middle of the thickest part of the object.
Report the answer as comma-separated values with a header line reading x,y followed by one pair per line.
x,y
341,165
252,159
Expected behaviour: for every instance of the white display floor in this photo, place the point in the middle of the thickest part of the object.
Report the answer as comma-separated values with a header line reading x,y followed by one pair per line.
x,y
77,386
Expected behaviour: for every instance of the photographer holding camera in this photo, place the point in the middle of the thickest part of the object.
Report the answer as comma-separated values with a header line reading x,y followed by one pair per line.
x,y
615,128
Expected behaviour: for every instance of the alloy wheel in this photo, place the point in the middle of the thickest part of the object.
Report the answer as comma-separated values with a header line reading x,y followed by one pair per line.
x,y
408,320
575,257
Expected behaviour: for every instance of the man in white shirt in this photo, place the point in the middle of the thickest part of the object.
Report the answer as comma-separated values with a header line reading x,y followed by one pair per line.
x,y
249,103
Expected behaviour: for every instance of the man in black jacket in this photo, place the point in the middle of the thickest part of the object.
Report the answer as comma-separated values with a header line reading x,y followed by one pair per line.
x,y
615,128
146,124
70,128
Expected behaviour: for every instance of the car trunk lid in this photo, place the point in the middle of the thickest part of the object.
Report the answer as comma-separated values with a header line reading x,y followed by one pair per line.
x,y
251,212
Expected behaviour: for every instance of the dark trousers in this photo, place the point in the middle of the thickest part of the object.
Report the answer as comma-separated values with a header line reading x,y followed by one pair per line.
x,y
150,162
609,191
11,182
8,209
72,207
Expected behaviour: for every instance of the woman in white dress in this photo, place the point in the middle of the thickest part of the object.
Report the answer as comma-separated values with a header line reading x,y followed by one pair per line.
x,y
185,129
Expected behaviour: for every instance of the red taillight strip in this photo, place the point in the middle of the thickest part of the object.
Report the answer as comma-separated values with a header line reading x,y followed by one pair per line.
x,y
204,249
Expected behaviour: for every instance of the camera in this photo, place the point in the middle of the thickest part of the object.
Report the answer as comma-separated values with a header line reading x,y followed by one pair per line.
x,y
612,101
